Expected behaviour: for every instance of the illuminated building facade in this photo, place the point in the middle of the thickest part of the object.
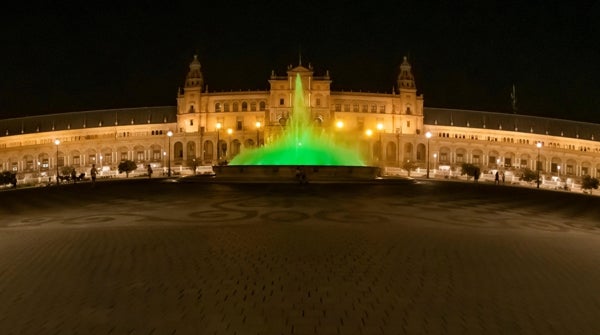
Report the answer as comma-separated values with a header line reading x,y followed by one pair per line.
x,y
387,128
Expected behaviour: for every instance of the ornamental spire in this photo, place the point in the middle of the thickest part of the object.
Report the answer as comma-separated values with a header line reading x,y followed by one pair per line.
x,y
194,77
406,80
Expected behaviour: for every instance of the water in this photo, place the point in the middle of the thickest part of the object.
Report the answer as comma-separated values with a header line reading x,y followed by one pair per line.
x,y
301,143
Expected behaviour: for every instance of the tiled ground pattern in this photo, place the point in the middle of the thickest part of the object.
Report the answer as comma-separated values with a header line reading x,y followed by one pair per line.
x,y
198,258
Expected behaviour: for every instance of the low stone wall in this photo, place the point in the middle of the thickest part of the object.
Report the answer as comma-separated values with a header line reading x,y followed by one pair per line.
x,y
288,172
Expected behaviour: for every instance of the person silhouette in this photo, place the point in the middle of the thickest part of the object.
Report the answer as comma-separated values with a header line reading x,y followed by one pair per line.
x,y
93,172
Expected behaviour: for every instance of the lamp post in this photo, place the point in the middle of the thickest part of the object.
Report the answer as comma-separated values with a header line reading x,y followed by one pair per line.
x,y
229,132
218,149
380,129
428,135
258,134
57,142
537,163
169,134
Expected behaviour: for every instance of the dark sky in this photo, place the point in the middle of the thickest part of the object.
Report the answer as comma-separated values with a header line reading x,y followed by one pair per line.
x,y
63,58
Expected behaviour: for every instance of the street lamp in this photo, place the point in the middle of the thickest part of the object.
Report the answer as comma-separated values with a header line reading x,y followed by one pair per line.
x,y
380,129
537,163
169,134
218,149
229,132
428,135
339,124
369,133
258,134
57,142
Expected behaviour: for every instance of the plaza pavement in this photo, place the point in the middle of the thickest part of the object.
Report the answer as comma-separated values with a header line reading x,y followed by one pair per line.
x,y
170,257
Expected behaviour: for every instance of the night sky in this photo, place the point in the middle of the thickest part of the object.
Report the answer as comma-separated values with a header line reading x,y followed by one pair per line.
x,y
65,58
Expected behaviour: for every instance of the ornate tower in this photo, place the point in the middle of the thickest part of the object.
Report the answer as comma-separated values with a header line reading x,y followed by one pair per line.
x,y
410,104
188,99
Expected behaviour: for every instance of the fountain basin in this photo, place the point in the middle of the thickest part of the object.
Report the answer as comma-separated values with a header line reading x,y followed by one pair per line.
x,y
288,172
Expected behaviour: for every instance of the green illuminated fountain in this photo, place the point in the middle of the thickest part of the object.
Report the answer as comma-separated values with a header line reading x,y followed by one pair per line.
x,y
302,152
301,143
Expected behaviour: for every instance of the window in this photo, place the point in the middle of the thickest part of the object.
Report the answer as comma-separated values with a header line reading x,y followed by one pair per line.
x,y
373,108
218,107
124,156
523,163
226,107
191,122
492,159
281,101
355,108
45,164
338,107
156,155
443,157
61,161
382,109
92,159
408,111
191,108
262,105
253,106
407,124
475,159
244,106
360,122
239,125
365,108
140,155
76,160
235,107
569,169
460,158
507,162
346,107
318,103
107,158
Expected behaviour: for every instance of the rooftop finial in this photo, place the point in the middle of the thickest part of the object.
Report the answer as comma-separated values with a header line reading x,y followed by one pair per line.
x,y
513,98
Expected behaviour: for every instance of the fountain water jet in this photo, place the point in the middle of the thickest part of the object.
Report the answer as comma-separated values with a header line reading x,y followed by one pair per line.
x,y
301,143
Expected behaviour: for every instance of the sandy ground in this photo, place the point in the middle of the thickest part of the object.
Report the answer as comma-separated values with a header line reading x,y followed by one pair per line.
x,y
160,257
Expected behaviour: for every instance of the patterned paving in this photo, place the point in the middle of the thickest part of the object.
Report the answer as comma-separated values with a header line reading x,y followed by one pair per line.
x,y
154,257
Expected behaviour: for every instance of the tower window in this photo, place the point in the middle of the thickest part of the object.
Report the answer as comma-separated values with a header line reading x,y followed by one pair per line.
x,y
281,101
191,122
